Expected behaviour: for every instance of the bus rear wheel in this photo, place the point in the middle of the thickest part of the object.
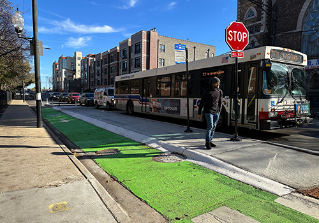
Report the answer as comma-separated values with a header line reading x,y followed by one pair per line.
x,y
130,108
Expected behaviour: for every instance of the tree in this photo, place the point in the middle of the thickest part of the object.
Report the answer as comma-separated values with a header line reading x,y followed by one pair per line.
x,y
14,52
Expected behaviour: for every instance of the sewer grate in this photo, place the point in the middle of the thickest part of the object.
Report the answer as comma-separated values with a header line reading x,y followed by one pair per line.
x,y
107,152
311,192
169,158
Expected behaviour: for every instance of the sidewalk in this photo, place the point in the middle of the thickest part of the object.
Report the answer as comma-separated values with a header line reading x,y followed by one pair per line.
x,y
39,183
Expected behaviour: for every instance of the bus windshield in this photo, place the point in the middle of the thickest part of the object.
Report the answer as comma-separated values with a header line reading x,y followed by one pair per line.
x,y
276,81
298,81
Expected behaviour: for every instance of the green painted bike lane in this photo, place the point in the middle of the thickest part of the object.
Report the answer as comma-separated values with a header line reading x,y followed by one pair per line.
x,y
179,191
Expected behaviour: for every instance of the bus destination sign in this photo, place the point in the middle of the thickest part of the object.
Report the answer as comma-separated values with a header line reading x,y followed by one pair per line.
x,y
285,55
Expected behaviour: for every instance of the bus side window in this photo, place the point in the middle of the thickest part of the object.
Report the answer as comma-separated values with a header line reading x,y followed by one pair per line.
x,y
163,86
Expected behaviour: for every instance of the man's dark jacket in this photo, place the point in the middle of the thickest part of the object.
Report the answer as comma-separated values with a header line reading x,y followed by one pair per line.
x,y
211,100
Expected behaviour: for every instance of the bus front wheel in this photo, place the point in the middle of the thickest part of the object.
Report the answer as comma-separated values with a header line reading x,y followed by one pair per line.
x,y
130,108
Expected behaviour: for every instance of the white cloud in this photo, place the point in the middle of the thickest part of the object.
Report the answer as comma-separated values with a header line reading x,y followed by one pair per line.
x,y
129,4
171,5
69,26
78,42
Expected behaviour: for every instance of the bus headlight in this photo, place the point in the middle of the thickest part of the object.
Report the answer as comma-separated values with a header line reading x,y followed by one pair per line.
x,y
112,100
272,114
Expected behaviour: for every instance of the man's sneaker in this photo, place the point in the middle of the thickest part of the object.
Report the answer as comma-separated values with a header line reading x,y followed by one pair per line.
x,y
212,144
208,145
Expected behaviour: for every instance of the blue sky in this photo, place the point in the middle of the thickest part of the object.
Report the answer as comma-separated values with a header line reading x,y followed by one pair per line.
x,y
96,26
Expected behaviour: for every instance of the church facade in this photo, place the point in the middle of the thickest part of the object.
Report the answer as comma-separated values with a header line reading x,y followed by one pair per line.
x,y
292,24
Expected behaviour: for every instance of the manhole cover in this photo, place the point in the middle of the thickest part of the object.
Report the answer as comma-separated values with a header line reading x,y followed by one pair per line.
x,y
107,152
169,158
311,192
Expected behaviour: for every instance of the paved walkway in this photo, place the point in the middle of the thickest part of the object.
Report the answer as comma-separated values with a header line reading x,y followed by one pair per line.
x,y
39,183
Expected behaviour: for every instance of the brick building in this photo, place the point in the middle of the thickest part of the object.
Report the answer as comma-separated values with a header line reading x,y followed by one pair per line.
x,y
290,24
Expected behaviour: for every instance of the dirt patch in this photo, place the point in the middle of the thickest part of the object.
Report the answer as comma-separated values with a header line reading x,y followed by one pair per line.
x,y
311,192
169,158
107,152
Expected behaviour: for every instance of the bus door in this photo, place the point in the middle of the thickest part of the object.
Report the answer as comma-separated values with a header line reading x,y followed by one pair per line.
x,y
145,95
249,95
239,90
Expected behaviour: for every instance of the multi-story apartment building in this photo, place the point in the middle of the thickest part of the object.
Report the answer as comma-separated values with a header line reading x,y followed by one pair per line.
x,y
98,70
114,64
85,72
92,79
125,56
69,68
105,68
147,50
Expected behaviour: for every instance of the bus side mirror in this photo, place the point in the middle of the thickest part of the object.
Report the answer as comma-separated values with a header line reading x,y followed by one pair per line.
x,y
265,65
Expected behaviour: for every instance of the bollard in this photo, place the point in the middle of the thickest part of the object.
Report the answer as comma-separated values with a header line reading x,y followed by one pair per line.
x,y
47,101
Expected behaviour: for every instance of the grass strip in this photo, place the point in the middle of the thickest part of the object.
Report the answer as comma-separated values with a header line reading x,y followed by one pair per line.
x,y
180,191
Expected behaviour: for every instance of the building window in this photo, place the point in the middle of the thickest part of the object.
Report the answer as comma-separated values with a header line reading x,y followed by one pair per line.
x,y
251,13
124,66
63,63
105,60
162,48
137,62
85,67
98,63
98,82
132,62
105,71
112,69
137,48
310,35
162,62
79,58
105,81
112,58
98,72
112,80
124,53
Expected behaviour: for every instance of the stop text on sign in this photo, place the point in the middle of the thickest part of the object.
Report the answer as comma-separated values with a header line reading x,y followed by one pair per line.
x,y
237,36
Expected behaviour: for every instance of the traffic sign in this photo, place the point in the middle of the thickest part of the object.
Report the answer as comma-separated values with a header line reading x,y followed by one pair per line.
x,y
237,54
180,47
237,36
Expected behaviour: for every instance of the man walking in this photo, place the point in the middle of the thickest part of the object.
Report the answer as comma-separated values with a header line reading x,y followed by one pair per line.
x,y
212,102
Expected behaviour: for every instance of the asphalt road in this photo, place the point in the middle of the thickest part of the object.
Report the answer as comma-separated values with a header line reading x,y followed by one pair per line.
x,y
306,137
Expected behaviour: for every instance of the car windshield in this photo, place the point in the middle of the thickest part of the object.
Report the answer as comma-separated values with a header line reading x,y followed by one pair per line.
x,y
65,94
111,92
298,81
56,93
90,95
75,94
275,81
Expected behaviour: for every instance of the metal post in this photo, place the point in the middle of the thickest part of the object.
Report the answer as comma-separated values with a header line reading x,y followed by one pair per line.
x,y
37,64
235,138
187,93
23,92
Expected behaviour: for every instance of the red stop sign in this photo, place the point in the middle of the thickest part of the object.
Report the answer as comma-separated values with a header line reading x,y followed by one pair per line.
x,y
237,36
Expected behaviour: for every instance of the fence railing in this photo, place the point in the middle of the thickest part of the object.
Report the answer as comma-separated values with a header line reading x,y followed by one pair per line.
x,y
5,98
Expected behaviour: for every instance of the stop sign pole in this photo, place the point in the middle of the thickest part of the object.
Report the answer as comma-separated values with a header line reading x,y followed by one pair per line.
x,y
236,37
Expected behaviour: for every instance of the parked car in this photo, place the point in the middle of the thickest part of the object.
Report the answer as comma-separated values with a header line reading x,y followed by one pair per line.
x,y
63,97
73,97
54,96
87,99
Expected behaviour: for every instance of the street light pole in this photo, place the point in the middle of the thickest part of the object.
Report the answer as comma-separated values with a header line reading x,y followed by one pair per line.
x,y
37,64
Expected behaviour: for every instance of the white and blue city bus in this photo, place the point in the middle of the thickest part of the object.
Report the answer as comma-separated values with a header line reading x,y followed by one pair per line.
x,y
271,89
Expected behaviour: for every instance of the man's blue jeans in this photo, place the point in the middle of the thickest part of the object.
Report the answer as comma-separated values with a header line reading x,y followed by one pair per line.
x,y
211,125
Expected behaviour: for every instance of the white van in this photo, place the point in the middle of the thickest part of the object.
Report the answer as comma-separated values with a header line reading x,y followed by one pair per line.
x,y
104,97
